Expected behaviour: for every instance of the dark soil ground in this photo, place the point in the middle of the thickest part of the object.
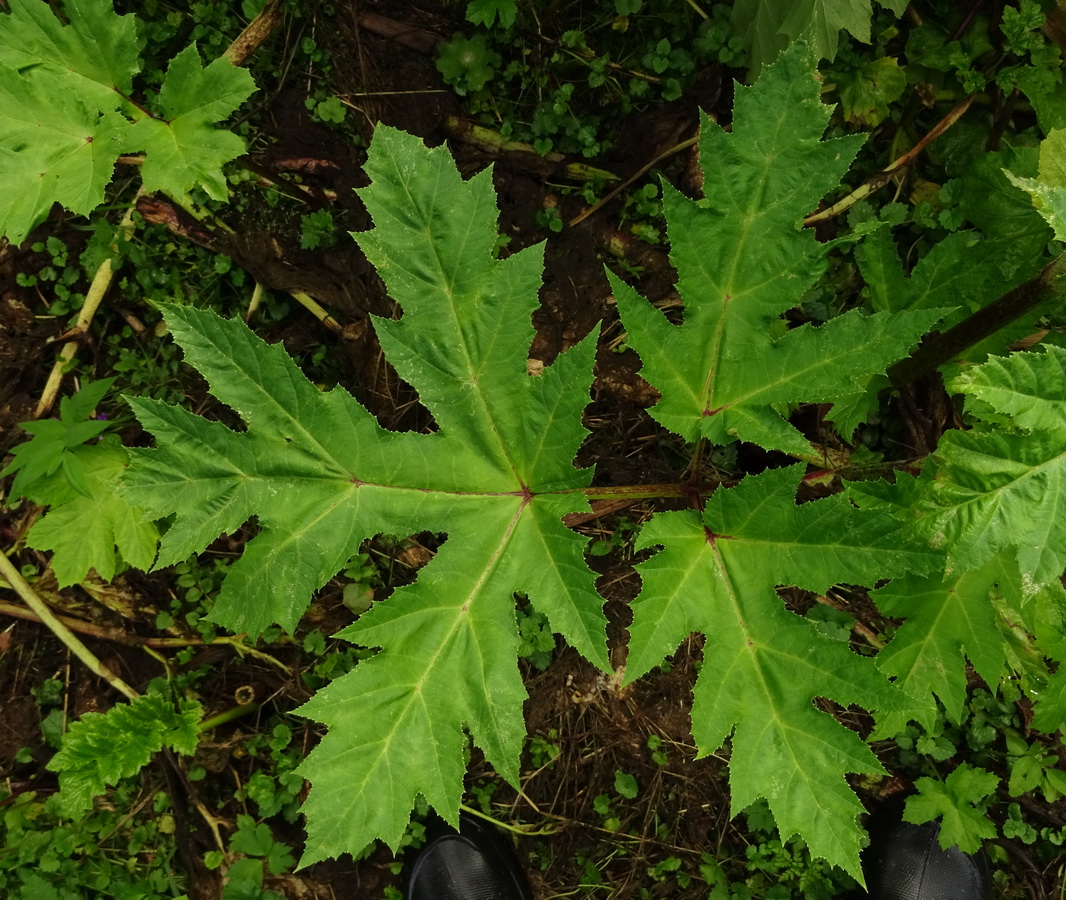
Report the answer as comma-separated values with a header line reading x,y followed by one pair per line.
x,y
682,810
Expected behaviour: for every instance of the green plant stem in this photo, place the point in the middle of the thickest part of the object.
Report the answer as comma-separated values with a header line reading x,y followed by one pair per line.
x,y
228,716
162,660
941,348
242,648
514,829
71,640
699,11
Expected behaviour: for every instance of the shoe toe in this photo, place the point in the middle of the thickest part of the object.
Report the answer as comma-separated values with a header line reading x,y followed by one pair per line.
x,y
906,862
472,864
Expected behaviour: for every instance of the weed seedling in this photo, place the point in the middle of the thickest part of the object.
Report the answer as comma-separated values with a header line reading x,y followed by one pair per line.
x,y
317,230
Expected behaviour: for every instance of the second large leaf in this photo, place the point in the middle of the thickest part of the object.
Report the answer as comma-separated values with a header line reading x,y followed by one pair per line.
x,y
743,259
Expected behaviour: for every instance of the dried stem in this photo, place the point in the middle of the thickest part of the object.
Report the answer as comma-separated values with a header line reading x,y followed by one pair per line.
x,y
640,173
74,644
135,640
880,179
101,282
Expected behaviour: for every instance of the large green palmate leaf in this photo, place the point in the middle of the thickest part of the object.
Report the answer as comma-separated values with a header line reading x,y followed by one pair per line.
x,y
53,149
496,477
321,476
763,666
182,148
743,260
94,56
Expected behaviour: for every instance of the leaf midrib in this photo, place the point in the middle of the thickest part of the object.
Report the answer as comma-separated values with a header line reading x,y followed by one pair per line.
x,y
463,341
417,689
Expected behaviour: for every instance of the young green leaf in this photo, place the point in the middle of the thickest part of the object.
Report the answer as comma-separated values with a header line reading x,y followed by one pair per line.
x,y
743,260
959,799
47,451
1049,200
182,147
867,91
991,199
321,476
763,665
89,525
1048,189
1032,767
54,441
102,748
949,618
65,113
91,528
258,840
995,486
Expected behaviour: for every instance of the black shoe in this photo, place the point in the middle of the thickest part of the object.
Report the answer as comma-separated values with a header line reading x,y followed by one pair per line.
x,y
474,863
906,862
